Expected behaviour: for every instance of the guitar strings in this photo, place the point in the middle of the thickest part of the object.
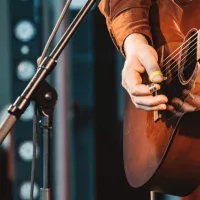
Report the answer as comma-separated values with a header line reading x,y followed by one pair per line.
x,y
171,59
176,68
174,61
195,34
187,62
181,66
181,45
165,70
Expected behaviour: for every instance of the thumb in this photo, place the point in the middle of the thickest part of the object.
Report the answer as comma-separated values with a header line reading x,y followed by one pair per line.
x,y
156,76
149,59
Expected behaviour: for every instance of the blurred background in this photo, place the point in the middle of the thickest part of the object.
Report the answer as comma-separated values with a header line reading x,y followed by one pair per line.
x,y
87,162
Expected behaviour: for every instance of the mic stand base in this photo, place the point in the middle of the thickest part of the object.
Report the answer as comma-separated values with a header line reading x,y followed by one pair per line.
x,y
45,98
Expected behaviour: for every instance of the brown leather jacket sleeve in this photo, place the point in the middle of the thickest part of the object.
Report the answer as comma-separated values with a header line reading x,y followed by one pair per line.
x,y
124,17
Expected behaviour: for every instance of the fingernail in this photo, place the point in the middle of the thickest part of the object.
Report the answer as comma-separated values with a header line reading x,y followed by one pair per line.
x,y
163,107
164,99
156,76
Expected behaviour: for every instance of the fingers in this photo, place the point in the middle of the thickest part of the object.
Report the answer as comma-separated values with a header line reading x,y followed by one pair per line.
x,y
142,57
151,108
181,106
132,83
193,98
150,103
171,109
151,100
141,90
140,93
149,60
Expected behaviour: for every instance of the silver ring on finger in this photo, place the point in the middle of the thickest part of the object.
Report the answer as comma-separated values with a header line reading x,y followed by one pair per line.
x,y
152,88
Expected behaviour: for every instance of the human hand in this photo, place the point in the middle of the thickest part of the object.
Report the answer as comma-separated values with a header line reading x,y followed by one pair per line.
x,y
190,104
141,58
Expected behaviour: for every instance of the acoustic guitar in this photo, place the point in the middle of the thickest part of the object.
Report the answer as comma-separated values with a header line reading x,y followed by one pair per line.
x,y
162,150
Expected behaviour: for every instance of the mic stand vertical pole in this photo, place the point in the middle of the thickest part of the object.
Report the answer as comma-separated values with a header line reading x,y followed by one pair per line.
x,y
45,98
46,125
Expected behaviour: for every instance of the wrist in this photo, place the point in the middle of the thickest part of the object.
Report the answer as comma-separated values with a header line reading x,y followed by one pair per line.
x,y
133,40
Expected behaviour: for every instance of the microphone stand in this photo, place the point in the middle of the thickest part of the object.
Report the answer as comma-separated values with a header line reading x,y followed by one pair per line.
x,y
45,96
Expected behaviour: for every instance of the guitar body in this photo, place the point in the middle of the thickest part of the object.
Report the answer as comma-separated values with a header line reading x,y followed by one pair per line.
x,y
164,155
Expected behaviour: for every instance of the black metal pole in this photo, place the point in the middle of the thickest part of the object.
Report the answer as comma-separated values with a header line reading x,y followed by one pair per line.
x,y
46,158
46,98
45,191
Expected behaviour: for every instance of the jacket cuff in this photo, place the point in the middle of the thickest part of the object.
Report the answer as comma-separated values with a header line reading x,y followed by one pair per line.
x,y
134,20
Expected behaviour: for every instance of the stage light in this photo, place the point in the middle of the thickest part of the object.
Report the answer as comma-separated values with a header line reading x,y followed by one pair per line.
x,y
25,49
25,31
25,70
25,191
26,151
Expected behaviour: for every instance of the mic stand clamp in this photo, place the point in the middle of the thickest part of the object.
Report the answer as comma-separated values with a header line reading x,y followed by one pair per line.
x,y
45,98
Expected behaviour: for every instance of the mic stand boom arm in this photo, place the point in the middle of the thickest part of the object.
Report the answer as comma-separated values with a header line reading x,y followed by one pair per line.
x,y
45,68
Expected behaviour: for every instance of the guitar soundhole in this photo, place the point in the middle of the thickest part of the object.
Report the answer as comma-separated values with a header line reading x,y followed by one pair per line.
x,y
188,58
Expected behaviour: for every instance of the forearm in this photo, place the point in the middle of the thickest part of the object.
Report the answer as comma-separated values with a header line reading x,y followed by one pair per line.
x,y
125,17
